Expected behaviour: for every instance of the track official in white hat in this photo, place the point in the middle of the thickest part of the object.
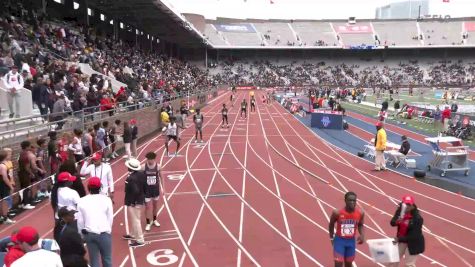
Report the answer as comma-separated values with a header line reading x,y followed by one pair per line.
x,y
135,188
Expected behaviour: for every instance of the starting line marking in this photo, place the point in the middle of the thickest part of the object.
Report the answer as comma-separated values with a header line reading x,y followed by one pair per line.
x,y
182,193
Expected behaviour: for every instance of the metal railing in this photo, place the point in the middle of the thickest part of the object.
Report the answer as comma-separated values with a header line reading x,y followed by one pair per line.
x,y
68,121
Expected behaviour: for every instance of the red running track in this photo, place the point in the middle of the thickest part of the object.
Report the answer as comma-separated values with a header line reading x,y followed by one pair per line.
x,y
260,192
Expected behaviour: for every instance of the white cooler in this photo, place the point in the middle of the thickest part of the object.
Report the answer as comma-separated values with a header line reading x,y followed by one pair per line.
x,y
410,163
383,250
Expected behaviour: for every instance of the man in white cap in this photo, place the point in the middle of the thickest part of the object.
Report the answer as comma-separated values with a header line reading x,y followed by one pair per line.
x,y
95,217
135,188
14,82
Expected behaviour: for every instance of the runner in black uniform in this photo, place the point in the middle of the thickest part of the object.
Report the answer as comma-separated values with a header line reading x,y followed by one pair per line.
x,y
253,104
243,108
152,193
224,113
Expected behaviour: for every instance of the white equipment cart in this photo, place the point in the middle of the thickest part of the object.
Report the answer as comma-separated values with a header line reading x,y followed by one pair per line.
x,y
449,155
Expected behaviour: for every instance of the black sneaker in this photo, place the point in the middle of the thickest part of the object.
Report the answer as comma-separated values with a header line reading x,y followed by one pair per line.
x,y
128,237
136,244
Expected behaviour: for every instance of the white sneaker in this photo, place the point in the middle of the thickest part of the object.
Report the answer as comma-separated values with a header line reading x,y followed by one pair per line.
x,y
28,207
9,221
196,141
148,227
157,224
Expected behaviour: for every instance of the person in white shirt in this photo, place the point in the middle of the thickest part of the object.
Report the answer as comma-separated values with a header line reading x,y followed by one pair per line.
x,y
94,218
101,170
14,82
63,196
27,237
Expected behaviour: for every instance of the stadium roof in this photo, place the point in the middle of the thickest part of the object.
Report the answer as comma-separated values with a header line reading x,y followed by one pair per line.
x,y
152,17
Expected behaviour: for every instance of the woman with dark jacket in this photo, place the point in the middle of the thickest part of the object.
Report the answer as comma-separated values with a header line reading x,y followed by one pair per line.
x,y
127,136
409,236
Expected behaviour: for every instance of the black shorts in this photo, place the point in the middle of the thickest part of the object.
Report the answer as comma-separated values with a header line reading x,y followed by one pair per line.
x,y
4,190
174,137
243,109
199,128
152,192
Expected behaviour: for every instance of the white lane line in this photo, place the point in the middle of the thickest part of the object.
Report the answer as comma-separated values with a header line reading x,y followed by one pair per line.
x,y
287,144
260,215
169,160
284,216
243,194
124,261
214,213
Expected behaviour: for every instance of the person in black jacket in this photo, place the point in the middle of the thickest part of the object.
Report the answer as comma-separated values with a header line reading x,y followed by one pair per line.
x,y
402,152
70,242
135,188
409,236
135,133
127,138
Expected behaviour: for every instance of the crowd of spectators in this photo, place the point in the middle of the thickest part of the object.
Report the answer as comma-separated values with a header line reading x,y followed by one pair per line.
x,y
269,73
46,54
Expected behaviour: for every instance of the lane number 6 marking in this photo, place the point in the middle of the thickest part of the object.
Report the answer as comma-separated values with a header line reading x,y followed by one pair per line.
x,y
161,257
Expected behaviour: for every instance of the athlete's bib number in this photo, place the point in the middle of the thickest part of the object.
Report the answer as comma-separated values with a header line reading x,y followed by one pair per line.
x,y
198,120
151,180
225,113
171,131
347,230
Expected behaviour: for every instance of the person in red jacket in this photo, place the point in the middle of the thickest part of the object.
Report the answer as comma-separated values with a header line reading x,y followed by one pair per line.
x,y
14,251
446,114
107,104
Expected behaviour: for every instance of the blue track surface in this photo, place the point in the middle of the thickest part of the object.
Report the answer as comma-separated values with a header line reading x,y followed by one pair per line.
x,y
454,181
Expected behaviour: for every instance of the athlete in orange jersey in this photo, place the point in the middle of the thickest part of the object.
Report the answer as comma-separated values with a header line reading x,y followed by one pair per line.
x,y
347,221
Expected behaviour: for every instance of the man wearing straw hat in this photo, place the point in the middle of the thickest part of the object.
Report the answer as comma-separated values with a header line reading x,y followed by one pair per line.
x,y
135,188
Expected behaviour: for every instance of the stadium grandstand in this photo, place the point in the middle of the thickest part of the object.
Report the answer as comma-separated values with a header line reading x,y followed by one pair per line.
x,y
237,133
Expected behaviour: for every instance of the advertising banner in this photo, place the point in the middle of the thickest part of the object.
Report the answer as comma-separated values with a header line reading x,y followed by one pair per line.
x,y
353,29
242,27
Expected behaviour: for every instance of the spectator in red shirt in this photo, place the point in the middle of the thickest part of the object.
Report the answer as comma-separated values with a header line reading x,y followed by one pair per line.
x,y
14,251
446,114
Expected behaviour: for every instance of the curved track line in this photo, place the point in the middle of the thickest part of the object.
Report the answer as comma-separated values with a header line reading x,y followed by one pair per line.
x,y
426,229
437,237
381,231
385,213
321,161
376,231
